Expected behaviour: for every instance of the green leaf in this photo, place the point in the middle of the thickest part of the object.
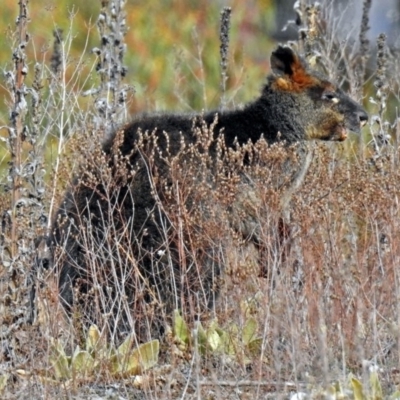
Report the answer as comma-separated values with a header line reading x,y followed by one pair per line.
x,y
82,362
214,339
3,382
60,361
376,388
93,339
255,346
181,331
229,342
142,358
124,352
115,365
249,330
126,346
335,391
357,389
202,339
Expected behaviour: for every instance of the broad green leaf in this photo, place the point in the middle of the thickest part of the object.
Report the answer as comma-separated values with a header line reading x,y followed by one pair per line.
x,y
126,346
357,389
82,362
335,391
214,339
249,330
376,388
202,339
93,338
181,331
124,352
60,361
3,382
115,364
228,343
255,346
233,330
142,358
220,331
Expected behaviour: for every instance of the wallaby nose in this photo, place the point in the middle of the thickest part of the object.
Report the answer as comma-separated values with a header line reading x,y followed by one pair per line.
x,y
362,117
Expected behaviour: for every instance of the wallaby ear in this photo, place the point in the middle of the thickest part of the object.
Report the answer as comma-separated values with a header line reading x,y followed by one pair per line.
x,y
284,61
290,71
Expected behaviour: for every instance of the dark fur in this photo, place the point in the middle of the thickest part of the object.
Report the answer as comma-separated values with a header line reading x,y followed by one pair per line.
x,y
295,104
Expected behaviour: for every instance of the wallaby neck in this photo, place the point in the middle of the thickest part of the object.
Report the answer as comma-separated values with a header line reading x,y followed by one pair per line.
x,y
262,118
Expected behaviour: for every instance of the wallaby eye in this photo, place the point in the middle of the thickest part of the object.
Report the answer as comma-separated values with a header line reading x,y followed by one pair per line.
x,y
331,96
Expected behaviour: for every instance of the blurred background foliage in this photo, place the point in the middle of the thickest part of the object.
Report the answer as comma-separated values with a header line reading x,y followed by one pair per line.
x,y
163,42
172,47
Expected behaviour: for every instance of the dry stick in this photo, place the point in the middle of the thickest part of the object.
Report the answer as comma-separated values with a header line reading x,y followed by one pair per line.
x,y
17,115
364,42
273,385
17,126
363,52
381,139
223,50
112,30
300,9
308,17
61,68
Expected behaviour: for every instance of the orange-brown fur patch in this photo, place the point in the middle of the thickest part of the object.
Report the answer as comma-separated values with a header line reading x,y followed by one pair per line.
x,y
298,81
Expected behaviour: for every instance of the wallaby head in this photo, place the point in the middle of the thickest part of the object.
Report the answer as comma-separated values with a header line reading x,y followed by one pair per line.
x,y
302,104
